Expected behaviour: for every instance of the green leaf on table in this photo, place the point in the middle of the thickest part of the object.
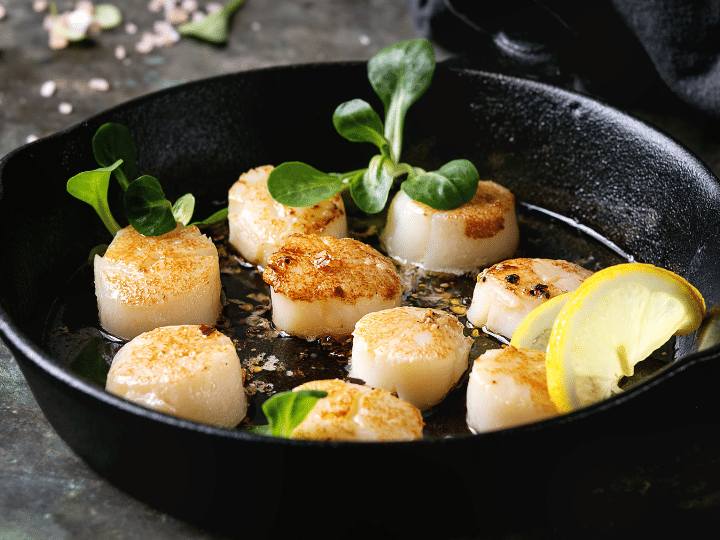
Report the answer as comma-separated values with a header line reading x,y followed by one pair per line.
x,y
112,142
92,187
147,209
297,184
286,410
107,16
452,185
214,27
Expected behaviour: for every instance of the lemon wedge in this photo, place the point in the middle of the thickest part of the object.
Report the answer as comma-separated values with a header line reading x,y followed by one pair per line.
x,y
615,319
533,332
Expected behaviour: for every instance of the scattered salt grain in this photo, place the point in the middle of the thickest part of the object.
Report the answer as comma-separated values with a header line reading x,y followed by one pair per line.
x,y
99,85
48,89
3,12
131,29
166,33
146,43
255,26
156,5
65,108
31,138
120,52
213,7
364,40
39,6
189,5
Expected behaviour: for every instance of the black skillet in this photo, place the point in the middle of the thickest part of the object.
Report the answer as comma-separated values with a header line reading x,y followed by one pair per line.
x,y
615,468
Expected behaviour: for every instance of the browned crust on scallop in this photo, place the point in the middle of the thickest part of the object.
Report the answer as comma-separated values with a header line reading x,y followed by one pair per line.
x,y
252,186
527,367
309,267
484,215
174,263
514,276
333,417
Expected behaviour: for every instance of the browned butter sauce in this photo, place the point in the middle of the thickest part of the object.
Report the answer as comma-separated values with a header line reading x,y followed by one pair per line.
x,y
275,362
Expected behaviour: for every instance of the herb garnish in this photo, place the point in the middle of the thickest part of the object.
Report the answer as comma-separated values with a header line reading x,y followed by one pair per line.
x,y
285,410
146,207
399,74
214,27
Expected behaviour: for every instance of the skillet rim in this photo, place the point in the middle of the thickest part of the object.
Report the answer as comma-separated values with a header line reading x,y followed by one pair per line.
x,y
21,345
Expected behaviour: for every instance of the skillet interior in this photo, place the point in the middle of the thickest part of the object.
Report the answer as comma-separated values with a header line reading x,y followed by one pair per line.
x,y
553,149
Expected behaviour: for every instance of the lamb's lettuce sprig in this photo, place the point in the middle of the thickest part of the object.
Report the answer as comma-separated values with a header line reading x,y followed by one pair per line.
x,y
146,207
400,75
285,410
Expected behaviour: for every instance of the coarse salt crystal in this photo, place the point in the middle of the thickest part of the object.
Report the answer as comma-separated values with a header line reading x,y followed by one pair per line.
x,y
189,5
213,7
48,89
3,12
120,52
131,29
31,138
99,85
39,6
65,108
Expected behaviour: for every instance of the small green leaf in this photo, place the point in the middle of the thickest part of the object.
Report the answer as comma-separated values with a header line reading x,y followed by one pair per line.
x,y
298,184
286,410
112,142
183,208
92,187
358,122
107,16
451,186
214,27
147,209
371,188
214,218
400,74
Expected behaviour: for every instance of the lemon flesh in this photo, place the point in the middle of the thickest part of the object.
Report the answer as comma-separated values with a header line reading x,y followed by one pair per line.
x,y
534,331
615,319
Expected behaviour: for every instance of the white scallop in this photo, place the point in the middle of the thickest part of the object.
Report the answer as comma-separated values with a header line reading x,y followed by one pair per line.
x,y
258,225
417,353
352,412
470,237
188,371
144,282
508,387
322,285
507,291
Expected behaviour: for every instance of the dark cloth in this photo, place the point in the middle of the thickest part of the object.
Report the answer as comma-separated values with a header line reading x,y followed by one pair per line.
x,y
612,47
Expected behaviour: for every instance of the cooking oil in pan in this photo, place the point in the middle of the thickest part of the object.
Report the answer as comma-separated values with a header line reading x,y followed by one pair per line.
x,y
276,362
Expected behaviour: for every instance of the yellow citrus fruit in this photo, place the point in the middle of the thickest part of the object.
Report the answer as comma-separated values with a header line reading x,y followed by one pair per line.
x,y
533,332
615,319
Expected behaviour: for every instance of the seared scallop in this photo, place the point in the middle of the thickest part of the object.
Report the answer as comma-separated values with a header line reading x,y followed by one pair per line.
x,y
259,225
144,282
477,234
507,291
322,285
188,371
417,353
508,387
353,412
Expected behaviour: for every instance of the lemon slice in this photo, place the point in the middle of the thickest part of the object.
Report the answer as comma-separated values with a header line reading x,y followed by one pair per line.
x,y
615,319
533,332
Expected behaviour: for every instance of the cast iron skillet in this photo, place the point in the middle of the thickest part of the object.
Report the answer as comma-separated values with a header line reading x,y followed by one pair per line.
x,y
553,149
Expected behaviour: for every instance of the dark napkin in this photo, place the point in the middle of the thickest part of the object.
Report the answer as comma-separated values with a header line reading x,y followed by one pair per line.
x,y
623,50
